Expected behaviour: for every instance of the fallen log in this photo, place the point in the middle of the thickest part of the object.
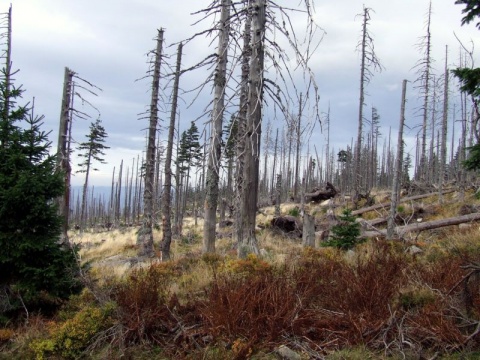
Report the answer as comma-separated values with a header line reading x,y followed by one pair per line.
x,y
422,226
386,206
321,195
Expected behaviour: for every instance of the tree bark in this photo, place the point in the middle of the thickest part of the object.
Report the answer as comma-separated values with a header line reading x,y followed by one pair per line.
x,y
220,83
443,149
167,192
63,156
145,233
248,244
308,234
241,125
398,167
428,225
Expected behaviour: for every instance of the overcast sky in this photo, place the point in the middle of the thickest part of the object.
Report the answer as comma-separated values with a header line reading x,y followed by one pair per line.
x,y
106,42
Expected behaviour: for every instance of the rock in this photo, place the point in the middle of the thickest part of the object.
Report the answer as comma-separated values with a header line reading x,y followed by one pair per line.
x,y
464,226
285,353
413,250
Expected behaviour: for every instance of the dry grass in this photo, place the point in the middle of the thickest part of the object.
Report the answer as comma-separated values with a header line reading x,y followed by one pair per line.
x,y
379,298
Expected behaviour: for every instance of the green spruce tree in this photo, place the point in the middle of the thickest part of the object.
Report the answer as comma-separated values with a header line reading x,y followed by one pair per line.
x,y
189,156
91,150
34,267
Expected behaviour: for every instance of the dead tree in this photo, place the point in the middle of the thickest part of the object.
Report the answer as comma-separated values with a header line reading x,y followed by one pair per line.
x,y
368,59
248,206
318,195
145,233
443,145
167,192
220,84
398,167
63,155
425,75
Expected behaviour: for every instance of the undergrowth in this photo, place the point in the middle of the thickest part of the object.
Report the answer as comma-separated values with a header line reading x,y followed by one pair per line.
x,y
376,302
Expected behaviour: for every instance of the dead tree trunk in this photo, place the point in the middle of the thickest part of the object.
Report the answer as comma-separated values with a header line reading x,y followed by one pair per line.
x,y
425,76
145,233
63,156
429,225
308,233
298,149
167,192
398,167
443,149
248,244
220,84
368,58
241,126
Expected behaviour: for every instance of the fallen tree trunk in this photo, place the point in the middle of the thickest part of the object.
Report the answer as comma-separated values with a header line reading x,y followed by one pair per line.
x,y
387,205
418,227
321,195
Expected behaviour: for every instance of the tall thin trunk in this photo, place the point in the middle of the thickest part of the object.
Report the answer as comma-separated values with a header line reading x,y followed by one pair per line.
x,y
118,201
241,142
443,149
167,193
426,92
83,221
145,234
63,156
220,85
274,168
248,244
298,149
398,168
361,103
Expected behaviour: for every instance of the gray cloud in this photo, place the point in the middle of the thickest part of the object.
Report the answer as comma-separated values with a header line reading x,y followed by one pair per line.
x,y
106,42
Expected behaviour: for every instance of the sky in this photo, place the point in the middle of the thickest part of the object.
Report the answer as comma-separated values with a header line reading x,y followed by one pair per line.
x,y
107,43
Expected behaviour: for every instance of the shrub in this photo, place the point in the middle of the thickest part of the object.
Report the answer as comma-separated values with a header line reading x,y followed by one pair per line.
x,y
345,233
71,338
143,301
294,211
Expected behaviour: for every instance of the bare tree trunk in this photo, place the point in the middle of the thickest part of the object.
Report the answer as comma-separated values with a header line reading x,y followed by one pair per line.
x,y
119,194
83,220
398,168
274,168
145,233
112,199
63,156
308,233
248,244
443,149
220,83
358,148
278,194
241,142
425,77
298,149
167,193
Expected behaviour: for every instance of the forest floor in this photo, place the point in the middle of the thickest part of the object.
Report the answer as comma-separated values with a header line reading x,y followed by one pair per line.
x,y
417,297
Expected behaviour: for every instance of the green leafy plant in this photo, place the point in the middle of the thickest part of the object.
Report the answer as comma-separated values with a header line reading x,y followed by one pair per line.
x,y
294,212
346,233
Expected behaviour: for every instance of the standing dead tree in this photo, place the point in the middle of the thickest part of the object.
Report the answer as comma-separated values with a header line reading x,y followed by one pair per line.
x,y
213,169
369,61
398,167
67,114
167,193
424,80
145,233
